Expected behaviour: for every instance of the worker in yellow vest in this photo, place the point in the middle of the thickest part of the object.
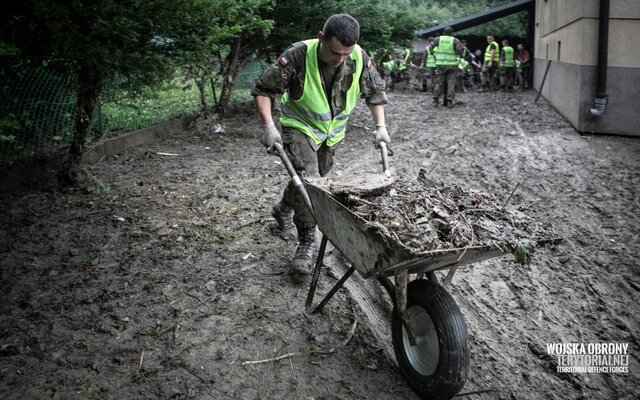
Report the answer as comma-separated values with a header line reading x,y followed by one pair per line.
x,y
491,64
320,81
507,66
447,58
425,66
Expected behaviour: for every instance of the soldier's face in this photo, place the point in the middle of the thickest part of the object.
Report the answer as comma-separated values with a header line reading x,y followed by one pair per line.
x,y
332,51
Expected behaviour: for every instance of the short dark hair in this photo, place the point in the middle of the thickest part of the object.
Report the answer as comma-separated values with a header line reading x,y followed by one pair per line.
x,y
343,27
448,31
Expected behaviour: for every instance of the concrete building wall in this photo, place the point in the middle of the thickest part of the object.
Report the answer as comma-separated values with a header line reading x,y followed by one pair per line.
x,y
567,34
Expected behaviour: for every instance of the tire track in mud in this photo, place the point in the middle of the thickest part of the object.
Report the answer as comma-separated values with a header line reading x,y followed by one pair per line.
x,y
370,298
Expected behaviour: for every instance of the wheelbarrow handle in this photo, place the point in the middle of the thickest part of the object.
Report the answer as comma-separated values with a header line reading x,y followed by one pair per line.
x,y
297,182
384,152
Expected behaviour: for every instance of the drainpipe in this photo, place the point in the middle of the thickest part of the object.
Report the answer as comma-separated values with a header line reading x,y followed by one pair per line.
x,y
601,71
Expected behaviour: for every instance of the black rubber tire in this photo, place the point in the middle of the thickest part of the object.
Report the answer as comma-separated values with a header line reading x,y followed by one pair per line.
x,y
441,379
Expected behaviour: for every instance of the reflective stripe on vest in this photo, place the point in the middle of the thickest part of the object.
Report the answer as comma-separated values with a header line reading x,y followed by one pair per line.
x,y
463,64
487,52
311,114
508,57
445,54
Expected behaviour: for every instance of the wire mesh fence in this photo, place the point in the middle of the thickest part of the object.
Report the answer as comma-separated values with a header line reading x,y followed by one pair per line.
x,y
37,107
36,112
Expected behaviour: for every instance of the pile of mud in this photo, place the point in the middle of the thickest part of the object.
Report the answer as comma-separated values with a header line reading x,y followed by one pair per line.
x,y
424,215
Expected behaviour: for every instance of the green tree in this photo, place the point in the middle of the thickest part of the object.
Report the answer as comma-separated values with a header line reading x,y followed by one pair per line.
x,y
249,19
100,40
383,23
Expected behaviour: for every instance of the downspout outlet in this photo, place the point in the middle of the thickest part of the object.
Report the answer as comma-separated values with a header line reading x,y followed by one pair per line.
x,y
600,107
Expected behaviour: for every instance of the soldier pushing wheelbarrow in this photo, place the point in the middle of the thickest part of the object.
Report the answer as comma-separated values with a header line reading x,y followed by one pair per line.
x,y
320,81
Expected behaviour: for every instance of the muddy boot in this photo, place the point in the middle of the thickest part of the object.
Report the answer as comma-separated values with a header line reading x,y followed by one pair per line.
x,y
303,260
436,102
284,220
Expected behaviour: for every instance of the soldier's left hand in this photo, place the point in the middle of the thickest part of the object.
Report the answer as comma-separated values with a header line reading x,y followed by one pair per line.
x,y
381,135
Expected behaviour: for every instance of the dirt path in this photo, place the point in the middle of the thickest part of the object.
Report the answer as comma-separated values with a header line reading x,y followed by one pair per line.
x,y
161,278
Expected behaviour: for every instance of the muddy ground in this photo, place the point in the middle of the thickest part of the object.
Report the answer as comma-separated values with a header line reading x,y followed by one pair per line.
x,y
160,276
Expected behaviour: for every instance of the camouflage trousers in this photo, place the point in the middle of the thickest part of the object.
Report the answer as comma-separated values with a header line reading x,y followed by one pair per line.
x,y
428,79
446,76
489,75
308,161
507,78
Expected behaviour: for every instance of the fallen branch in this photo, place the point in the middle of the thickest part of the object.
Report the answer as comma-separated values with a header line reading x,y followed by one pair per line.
x,y
346,341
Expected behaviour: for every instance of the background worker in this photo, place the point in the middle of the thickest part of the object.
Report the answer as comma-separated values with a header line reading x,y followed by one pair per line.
x,y
426,67
322,80
476,67
524,57
507,66
464,66
490,65
449,50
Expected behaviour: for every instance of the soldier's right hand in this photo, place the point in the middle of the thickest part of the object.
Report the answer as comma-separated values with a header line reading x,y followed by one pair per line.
x,y
270,135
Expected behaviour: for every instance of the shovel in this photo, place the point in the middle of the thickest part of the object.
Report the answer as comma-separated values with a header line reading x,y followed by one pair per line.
x,y
384,153
297,182
299,185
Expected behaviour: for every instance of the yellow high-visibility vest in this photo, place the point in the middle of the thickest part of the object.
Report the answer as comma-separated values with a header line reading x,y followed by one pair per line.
x,y
311,114
446,55
509,61
496,55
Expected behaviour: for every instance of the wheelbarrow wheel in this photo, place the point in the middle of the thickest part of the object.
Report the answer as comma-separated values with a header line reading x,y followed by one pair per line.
x,y
436,367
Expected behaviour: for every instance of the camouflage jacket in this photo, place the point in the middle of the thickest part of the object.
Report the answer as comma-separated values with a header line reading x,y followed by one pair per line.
x,y
288,74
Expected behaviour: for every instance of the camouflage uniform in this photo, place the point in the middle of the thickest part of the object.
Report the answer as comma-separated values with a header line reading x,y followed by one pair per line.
x,y
490,67
288,74
446,75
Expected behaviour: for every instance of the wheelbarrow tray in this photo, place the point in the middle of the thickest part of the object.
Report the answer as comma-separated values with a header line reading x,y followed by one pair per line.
x,y
375,254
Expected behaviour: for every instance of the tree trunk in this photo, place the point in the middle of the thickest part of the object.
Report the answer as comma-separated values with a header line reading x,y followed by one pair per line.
x,y
203,99
87,92
234,63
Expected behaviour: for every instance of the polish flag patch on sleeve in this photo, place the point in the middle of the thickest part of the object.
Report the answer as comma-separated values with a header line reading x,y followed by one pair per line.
x,y
283,61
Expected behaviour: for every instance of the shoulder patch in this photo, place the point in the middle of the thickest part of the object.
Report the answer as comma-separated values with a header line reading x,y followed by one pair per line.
x,y
283,61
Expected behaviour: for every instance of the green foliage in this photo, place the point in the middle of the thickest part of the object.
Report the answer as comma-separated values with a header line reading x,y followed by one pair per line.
x,y
383,23
523,252
126,109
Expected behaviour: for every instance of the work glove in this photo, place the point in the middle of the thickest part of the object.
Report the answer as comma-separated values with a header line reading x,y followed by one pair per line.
x,y
270,135
381,135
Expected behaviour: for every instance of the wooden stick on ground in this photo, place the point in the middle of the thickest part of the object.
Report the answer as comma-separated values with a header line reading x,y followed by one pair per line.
x,y
346,341
507,202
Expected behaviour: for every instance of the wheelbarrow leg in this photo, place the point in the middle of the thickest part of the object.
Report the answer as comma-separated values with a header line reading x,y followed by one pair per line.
x,y
402,280
314,281
334,290
316,274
